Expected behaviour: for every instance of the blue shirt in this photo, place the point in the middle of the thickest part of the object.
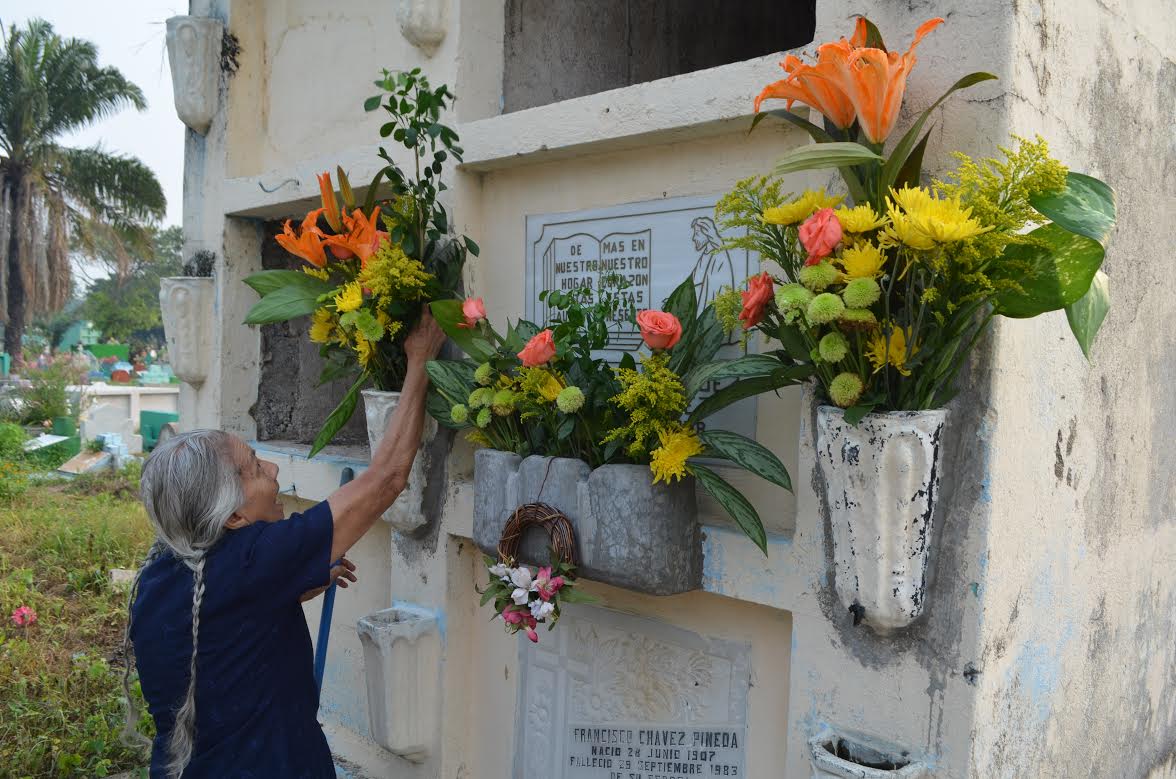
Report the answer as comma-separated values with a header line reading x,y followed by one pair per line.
x,y
256,698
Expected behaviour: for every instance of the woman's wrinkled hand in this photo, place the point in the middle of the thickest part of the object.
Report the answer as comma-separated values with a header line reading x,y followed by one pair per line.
x,y
425,340
341,574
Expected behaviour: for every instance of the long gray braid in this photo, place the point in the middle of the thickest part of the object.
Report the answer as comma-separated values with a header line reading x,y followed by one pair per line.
x,y
190,488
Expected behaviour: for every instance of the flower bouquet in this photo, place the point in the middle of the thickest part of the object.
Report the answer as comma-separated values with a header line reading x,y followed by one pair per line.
x,y
884,292
548,391
524,600
370,268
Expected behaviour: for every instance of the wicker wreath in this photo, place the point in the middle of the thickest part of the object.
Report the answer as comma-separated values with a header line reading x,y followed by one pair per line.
x,y
553,522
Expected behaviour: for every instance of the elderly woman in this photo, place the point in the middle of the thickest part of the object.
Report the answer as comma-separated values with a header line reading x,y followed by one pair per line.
x,y
223,649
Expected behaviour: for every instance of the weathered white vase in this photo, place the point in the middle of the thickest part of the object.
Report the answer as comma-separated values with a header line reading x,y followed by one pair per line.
x,y
422,23
836,756
402,665
194,50
406,514
186,303
881,485
630,532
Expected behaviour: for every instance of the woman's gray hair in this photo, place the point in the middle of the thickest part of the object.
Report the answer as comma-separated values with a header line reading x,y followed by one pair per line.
x,y
190,487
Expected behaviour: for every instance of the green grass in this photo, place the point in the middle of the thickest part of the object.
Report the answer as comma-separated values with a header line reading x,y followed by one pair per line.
x,y
61,706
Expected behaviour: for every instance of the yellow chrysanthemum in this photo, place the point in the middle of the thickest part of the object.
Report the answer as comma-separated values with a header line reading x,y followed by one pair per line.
x,y
859,219
318,273
540,383
865,260
364,349
350,298
393,276
668,461
926,220
801,208
322,324
895,355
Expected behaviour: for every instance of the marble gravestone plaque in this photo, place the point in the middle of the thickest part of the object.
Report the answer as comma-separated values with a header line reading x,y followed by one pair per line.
x,y
652,246
613,696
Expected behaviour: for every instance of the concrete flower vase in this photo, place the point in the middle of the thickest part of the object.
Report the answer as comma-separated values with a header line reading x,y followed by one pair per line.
x,y
881,485
406,514
630,532
194,50
402,663
186,303
837,756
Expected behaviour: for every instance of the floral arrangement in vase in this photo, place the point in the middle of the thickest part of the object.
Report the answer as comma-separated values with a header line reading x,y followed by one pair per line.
x,y
547,390
370,267
885,291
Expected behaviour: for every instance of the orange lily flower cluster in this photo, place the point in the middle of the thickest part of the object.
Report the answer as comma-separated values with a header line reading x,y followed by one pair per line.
x,y
851,80
356,235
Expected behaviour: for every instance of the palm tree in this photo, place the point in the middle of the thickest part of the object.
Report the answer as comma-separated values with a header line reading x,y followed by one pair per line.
x,y
52,196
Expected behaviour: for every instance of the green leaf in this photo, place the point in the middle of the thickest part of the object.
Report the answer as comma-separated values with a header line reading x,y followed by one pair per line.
x,y
369,201
903,149
699,343
741,368
576,595
282,305
913,167
816,156
452,378
793,342
448,315
817,133
745,388
1086,315
1086,207
372,103
1061,266
733,503
439,407
682,302
873,36
747,453
269,281
855,414
338,417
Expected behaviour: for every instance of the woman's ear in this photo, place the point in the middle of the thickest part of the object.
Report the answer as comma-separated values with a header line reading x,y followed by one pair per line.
x,y
237,521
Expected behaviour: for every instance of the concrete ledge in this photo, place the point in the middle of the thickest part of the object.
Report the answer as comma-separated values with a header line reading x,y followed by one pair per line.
x,y
311,479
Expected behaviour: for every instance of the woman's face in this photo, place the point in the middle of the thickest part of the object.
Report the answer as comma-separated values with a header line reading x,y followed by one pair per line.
x,y
259,482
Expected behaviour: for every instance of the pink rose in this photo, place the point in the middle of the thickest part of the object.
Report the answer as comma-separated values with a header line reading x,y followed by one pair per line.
x,y
23,616
820,233
539,350
474,311
659,329
755,300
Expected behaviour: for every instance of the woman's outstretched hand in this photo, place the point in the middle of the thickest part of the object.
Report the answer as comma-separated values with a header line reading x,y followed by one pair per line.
x,y
425,340
340,574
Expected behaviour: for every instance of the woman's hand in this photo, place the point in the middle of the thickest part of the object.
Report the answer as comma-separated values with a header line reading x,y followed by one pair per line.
x,y
340,574
425,340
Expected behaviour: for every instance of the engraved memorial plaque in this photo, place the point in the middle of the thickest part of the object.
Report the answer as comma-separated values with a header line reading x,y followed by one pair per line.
x,y
653,246
613,696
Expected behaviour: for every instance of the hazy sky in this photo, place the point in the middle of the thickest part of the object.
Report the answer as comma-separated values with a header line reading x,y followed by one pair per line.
x,y
129,35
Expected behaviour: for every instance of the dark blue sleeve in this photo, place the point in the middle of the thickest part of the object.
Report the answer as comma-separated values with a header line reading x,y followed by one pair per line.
x,y
285,559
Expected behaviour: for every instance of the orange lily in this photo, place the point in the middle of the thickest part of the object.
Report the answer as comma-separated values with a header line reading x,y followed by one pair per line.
x,y
851,80
330,204
308,243
361,238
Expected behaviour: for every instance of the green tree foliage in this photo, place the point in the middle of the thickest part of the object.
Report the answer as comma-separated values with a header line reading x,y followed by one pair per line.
x,y
126,307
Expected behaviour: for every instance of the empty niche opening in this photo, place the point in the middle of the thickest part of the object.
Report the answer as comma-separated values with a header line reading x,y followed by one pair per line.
x,y
865,756
560,49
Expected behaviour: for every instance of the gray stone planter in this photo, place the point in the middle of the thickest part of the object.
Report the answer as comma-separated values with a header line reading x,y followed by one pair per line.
x,y
629,532
186,304
881,487
407,513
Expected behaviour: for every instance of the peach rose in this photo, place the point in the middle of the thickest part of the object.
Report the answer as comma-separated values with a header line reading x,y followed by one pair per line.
x,y
538,350
755,300
820,233
659,329
474,311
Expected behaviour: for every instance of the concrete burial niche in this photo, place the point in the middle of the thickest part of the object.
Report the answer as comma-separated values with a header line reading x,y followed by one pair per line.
x,y
630,532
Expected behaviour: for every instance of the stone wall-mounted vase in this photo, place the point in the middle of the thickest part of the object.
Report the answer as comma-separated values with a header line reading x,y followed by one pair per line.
x,y
837,756
186,303
423,23
194,50
881,486
407,513
630,532
402,663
